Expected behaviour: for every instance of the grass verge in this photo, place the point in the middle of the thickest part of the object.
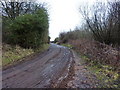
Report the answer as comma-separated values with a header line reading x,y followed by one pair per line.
x,y
12,54
67,45
108,77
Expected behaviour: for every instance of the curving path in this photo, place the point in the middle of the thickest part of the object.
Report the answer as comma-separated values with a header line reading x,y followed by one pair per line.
x,y
49,69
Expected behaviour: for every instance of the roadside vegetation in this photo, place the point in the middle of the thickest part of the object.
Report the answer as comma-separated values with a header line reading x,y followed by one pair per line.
x,y
98,41
24,29
13,54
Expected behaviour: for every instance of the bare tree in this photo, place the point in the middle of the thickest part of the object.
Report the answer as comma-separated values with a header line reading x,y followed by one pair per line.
x,y
103,20
13,9
115,16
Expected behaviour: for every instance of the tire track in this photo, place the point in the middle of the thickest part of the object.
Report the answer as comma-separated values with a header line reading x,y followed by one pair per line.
x,y
41,72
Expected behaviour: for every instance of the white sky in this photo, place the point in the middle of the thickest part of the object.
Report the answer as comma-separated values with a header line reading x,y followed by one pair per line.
x,y
64,15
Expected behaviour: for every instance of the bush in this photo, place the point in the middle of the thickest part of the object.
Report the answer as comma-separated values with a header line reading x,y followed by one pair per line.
x,y
6,32
30,30
65,37
56,40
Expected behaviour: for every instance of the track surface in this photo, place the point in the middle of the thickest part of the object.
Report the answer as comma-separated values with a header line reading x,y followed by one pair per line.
x,y
49,69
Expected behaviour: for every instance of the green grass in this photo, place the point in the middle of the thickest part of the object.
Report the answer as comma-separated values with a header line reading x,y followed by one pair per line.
x,y
14,53
67,45
105,73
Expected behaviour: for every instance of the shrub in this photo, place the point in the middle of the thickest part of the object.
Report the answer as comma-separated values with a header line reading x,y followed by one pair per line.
x,y
30,30
65,37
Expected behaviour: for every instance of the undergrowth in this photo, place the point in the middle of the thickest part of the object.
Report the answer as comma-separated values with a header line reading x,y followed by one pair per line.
x,y
12,54
101,59
107,76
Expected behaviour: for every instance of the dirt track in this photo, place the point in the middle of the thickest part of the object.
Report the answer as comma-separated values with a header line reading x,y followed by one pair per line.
x,y
49,69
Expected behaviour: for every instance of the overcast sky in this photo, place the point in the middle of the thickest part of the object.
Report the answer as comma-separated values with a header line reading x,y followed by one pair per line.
x,y
64,15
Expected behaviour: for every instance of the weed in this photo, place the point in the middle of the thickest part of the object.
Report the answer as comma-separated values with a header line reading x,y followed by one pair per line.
x,y
15,53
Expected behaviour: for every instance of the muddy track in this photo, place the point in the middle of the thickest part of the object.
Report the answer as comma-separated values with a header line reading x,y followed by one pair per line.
x,y
49,69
